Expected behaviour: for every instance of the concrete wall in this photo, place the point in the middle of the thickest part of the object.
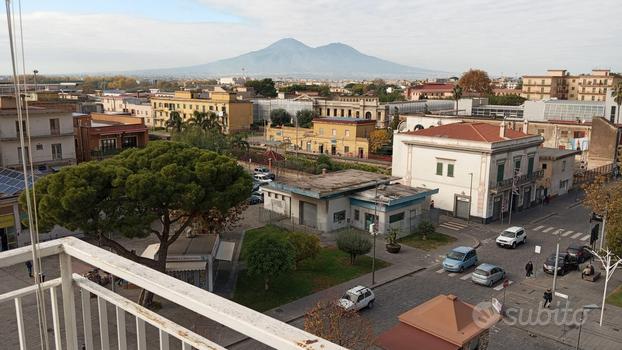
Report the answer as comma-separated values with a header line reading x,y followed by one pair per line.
x,y
604,143
556,172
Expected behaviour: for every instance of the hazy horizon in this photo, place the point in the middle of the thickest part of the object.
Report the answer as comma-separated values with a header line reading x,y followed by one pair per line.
x,y
509,38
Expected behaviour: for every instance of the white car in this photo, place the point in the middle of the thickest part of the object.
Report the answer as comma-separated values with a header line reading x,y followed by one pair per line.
x,y
262,179
357,298
512,237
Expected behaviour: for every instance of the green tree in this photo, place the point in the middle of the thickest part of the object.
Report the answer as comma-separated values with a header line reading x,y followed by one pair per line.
x,y
378,138
305,118
238,141
605,198
211,139
616,93
205,120
395,122
457,95
476,81
175,122
509,100
323,162
306,246
343,327
263,87
269,257
166,182
280,117
425,228
353,243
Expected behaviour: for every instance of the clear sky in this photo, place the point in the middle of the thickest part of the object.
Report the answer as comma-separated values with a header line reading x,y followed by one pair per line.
x,y
500,36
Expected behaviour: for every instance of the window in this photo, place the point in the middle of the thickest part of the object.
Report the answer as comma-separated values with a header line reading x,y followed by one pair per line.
x,y
396,217
108,144
563,184
339,216
55,126
543,166
328,112
564,133
516,163
23,127
57,151
346,149
39,147
334,132
357,215
19,154
579,134
347,133
321,131
224,109
439,168
563,165
540,132
130,141
500,171
450,170
530,165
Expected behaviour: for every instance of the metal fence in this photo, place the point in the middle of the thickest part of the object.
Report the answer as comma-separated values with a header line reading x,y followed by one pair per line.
x,y
608,171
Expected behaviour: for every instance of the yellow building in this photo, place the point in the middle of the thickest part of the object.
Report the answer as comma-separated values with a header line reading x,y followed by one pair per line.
x,y
339,136
235,115
558,83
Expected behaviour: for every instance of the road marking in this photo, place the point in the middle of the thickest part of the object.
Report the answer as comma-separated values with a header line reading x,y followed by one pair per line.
x,y
440,271
453,225
567,233
538,228
548,229
556,232
500,286
451,274
585,238
466,277
576,235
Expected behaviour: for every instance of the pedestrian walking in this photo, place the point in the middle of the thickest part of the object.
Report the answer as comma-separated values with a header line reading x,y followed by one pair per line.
x,y
548,298
529,269
29,267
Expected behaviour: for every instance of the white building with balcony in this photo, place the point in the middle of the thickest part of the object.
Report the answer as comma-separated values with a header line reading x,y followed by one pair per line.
x,y
50,131
473,166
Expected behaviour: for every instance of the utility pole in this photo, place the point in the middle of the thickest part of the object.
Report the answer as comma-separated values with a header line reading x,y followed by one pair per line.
x,y
556,265
470,195
374,231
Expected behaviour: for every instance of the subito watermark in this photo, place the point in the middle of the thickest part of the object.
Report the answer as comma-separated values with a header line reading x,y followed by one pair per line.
x,y
485,315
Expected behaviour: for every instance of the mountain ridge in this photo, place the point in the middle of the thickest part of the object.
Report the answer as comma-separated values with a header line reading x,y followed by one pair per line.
x,y
289,57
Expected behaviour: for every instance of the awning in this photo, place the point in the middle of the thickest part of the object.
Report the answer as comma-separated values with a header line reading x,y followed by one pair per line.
x,y
186,266
225,251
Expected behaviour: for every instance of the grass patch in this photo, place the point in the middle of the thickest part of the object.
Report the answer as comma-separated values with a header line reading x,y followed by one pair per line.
x,y
329,268
615,298
432,241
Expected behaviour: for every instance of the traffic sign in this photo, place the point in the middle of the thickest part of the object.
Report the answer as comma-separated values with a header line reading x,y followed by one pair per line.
x,y
538,249
563,296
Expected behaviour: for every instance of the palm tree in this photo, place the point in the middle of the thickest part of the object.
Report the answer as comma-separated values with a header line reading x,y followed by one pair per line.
x,y
205,120
175,121
239,141
616,93
457,94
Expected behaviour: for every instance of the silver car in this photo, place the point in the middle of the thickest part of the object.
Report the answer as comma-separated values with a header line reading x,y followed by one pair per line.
x,y
487,274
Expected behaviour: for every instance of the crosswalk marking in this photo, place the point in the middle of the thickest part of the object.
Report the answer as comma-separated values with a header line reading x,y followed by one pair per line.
x,y
567,233
440,271
451,274
538,228
576,235
466,277
585,238
500,286
556,232
548,229
455,226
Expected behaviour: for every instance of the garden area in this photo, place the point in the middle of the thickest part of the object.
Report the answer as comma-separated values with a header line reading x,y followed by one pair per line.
x,y
426,238
615,298
282,266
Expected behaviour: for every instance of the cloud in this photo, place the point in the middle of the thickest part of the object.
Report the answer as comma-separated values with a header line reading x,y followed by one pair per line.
x,y
521,36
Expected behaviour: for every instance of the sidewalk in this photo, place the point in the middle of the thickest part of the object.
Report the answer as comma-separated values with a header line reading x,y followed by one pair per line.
x,y
527,294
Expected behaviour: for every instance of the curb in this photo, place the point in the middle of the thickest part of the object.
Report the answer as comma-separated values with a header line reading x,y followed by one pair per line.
x,y
542,218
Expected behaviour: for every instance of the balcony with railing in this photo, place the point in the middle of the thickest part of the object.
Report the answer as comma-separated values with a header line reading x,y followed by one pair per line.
x,y
505,184
74,304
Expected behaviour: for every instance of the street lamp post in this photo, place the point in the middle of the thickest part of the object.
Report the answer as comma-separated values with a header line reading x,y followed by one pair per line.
x,y
470,197
34,73
586,307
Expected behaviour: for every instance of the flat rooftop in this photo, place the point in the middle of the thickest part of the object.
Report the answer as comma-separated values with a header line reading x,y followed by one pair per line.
x,y
197,245
554,153
349,120
394,194
333,183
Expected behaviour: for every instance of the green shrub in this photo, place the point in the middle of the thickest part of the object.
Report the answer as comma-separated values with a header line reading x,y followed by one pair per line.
x,y
353,243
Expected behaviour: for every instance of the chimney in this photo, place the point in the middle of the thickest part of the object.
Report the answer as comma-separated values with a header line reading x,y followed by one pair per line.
x,y
502,129
526,127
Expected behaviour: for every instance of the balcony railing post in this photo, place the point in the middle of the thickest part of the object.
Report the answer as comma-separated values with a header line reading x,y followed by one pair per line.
x,y
69,306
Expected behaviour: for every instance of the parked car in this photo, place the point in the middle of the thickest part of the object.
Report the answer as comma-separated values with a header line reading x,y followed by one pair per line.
x,y
512,237
579,252
459,259
262,179
255,199
357,298
566,263
487,274
264,171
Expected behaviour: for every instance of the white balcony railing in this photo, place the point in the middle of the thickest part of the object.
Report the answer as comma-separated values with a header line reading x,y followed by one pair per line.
x,y
241,319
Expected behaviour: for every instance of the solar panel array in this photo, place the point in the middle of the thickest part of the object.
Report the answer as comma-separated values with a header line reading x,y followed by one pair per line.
x,y
12,182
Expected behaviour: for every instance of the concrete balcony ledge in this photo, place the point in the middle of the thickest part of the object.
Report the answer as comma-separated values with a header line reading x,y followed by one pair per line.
x,y
241,319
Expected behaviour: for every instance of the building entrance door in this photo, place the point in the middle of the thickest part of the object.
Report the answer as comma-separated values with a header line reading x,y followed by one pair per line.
x,y
308,214
333,150
321,149
527,197
360,152
461,207
496,208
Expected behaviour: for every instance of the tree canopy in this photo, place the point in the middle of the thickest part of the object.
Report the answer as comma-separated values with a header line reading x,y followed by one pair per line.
x,y
305,118
322,90
476,81
353,243
378,88
264,87
167,183
605,198
270,256
509,100
280,117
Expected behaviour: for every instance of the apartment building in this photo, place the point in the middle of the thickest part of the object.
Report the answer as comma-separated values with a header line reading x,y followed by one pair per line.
x,y
364,107
235,115
50,131
135,106
560,84
335,136
431,91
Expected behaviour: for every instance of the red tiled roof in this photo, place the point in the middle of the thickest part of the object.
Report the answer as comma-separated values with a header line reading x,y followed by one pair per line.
x,y
481,132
